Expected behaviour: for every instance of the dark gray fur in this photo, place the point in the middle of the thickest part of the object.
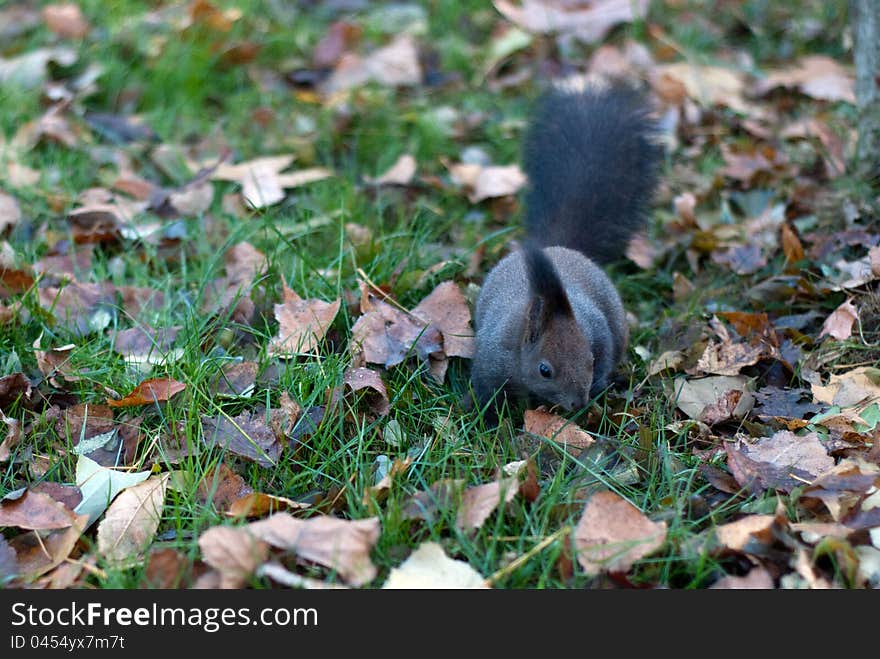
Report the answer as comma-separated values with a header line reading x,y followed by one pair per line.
x,y
592,161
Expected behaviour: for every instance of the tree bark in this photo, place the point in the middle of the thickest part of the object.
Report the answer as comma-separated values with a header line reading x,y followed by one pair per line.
x,y
865,22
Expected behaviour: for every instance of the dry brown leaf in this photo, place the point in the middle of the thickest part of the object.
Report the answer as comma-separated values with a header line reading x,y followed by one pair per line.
x,y
154,390
379,492
8,562
394,65
80,308
486,182
342,545
145,345
612,534
758,578
562,431
193,199
859,387
35,511
727,358
429,567
751,534
480,501
246,435
589,22
236,379
783,461
331,47
446,309
10,212
816,76
400,173
707,85
301,324
66,20
259,504
839,324
426,504
791,245
705,398
132,519
221,486
365,378
385,335
37,555
11,439
166,568
234,552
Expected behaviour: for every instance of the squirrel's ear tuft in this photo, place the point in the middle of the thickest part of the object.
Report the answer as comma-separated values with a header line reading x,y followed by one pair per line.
x,y
545,283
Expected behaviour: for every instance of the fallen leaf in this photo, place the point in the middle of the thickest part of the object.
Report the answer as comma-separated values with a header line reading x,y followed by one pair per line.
x,y
236,380
839,324
11,439
480,501
394,65
751,535
400,173
816,76
66,20
100,485
246,435
234,552
332,46
442,495
13,387
386,335
588,22
8,562
31,69
261,179
132,519
341,545
365,378
259,504
741,259
707,397
80,308
221,486
727,358
36,555
428,567
555,428
280,574
166,568
707,85
758,578
612,534
192,200
486,182
10,212
68,495
301,324
784,403
147,346
859,388
446,309
783,461
35,511
155,390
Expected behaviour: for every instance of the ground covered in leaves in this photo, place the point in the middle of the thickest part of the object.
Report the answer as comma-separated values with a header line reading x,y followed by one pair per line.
x,y
239,248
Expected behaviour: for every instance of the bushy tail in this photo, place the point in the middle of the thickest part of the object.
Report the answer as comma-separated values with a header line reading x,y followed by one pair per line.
x,y
592,156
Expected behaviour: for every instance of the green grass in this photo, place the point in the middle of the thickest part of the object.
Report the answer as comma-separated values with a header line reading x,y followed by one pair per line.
x,y
181,88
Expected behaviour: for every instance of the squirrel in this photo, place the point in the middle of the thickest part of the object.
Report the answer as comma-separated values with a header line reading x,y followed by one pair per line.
x,y
550,324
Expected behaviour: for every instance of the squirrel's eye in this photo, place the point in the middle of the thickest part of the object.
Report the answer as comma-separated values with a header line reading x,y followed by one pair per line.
x,y
545,370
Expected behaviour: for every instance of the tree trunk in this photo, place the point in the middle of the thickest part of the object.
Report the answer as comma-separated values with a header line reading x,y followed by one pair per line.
x,y
865,22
